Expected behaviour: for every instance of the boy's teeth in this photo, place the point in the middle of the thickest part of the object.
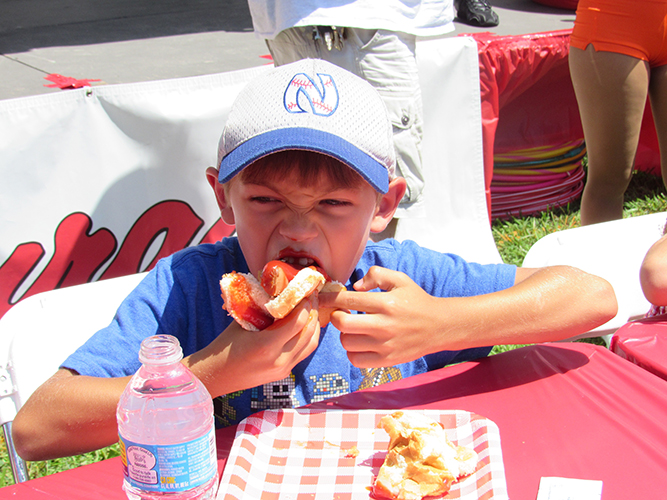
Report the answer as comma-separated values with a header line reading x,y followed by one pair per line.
x,y
301,261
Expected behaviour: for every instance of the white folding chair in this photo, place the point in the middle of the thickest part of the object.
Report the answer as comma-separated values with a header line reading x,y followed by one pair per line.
x,y
39,332
613,250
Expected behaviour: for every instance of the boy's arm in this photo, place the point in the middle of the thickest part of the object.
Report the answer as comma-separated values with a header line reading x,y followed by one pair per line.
x,y
404,323
67,415
240,359
71,414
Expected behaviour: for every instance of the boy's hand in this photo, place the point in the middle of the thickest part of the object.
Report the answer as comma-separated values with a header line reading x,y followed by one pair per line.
x,y
238,359
396,325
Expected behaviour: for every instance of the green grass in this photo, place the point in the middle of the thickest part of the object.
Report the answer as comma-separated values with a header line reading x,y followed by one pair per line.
x,y
645,195
513,238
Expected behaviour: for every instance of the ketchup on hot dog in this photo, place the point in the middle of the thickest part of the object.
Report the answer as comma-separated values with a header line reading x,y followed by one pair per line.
x,y
277,274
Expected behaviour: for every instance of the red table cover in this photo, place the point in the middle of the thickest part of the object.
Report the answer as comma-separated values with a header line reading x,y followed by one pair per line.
x,y
644,342
571,410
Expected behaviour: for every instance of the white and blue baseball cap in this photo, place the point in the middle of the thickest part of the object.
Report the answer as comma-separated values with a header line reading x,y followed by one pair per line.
x,y
310,105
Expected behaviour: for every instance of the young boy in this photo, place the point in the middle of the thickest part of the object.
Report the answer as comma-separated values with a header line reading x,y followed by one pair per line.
x,y
306,173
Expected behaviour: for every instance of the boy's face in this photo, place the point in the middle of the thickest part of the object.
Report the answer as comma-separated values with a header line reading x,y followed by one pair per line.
x,y
324,222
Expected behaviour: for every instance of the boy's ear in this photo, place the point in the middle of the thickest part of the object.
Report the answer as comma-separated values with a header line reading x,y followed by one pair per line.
x,y
388,204
226,211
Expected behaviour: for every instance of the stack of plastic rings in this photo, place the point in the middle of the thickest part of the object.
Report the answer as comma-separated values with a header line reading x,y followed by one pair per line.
x,y
529,181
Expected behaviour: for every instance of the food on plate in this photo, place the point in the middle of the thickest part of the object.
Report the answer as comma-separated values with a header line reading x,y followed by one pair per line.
x,y
421,461
352,452
255,304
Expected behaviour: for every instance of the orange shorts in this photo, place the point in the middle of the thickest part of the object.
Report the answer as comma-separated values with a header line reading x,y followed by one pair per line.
x,y
636,28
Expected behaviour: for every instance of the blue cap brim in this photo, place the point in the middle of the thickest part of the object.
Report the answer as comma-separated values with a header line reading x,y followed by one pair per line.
x,y
306,139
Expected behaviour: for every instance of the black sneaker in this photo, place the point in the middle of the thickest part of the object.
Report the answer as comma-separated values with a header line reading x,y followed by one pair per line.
x,y
476,13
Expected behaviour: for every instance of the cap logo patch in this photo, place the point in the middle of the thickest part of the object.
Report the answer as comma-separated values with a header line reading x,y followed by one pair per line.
x,y
305,94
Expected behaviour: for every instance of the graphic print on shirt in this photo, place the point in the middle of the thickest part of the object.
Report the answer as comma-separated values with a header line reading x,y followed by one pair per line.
x,y
328,385
224,412
275,395
379,376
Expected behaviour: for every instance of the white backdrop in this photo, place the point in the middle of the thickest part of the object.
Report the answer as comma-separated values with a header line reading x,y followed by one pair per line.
x,y
99,182
457,217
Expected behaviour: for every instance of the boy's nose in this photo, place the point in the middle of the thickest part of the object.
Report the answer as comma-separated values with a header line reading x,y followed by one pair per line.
x,y
298,227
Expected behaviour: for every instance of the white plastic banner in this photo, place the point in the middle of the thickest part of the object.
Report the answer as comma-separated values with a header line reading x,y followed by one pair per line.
x,y
457,214
101,182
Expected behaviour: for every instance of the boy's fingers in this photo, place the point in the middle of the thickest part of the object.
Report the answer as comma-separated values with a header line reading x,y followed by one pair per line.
x,y
330,299
311,335
299,316
366,359
380,277
360,300
301,345
351,301
359,324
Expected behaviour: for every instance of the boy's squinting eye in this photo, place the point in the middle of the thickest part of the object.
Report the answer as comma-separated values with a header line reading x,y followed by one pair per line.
x,y
336,203
263,199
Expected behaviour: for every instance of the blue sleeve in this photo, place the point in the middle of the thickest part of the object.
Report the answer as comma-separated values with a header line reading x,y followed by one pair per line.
x,y
439,274
179,297
113,351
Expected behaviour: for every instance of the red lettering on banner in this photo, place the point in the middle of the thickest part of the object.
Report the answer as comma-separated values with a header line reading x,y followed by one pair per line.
x,y
175,219
79,255
16,269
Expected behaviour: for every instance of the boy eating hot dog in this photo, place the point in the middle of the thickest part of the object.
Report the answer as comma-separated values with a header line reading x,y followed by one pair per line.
x,y
306,172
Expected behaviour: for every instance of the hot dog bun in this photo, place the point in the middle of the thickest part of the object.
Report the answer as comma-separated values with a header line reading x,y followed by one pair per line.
x,y
421,461
255,304
306,281
245,299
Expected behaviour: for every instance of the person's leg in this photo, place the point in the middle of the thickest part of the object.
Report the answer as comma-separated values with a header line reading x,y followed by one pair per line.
x,y
293,45
387,61
658,96
611,93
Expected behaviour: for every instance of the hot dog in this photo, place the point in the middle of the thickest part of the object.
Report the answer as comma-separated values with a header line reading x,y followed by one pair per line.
x,y
276,275
255,304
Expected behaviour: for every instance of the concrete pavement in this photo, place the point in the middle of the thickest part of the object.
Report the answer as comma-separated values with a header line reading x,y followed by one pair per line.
x,y
124,41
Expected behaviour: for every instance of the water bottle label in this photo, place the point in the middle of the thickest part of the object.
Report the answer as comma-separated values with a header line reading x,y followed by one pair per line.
x,y
167,468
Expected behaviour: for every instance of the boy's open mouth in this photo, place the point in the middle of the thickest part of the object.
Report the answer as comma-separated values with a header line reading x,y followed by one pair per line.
x,y
300,261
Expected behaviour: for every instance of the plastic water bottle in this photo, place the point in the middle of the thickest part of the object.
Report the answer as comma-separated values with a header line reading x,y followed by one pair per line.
x,y
166,428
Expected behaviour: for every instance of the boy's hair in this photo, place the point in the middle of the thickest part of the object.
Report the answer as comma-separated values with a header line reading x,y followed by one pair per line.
x,y
310,105
306,167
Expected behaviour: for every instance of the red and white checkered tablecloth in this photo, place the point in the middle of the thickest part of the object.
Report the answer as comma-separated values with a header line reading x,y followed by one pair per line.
x,y
336,454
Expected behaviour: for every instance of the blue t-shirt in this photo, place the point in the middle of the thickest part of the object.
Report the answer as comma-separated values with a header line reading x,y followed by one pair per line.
x,y
181,297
